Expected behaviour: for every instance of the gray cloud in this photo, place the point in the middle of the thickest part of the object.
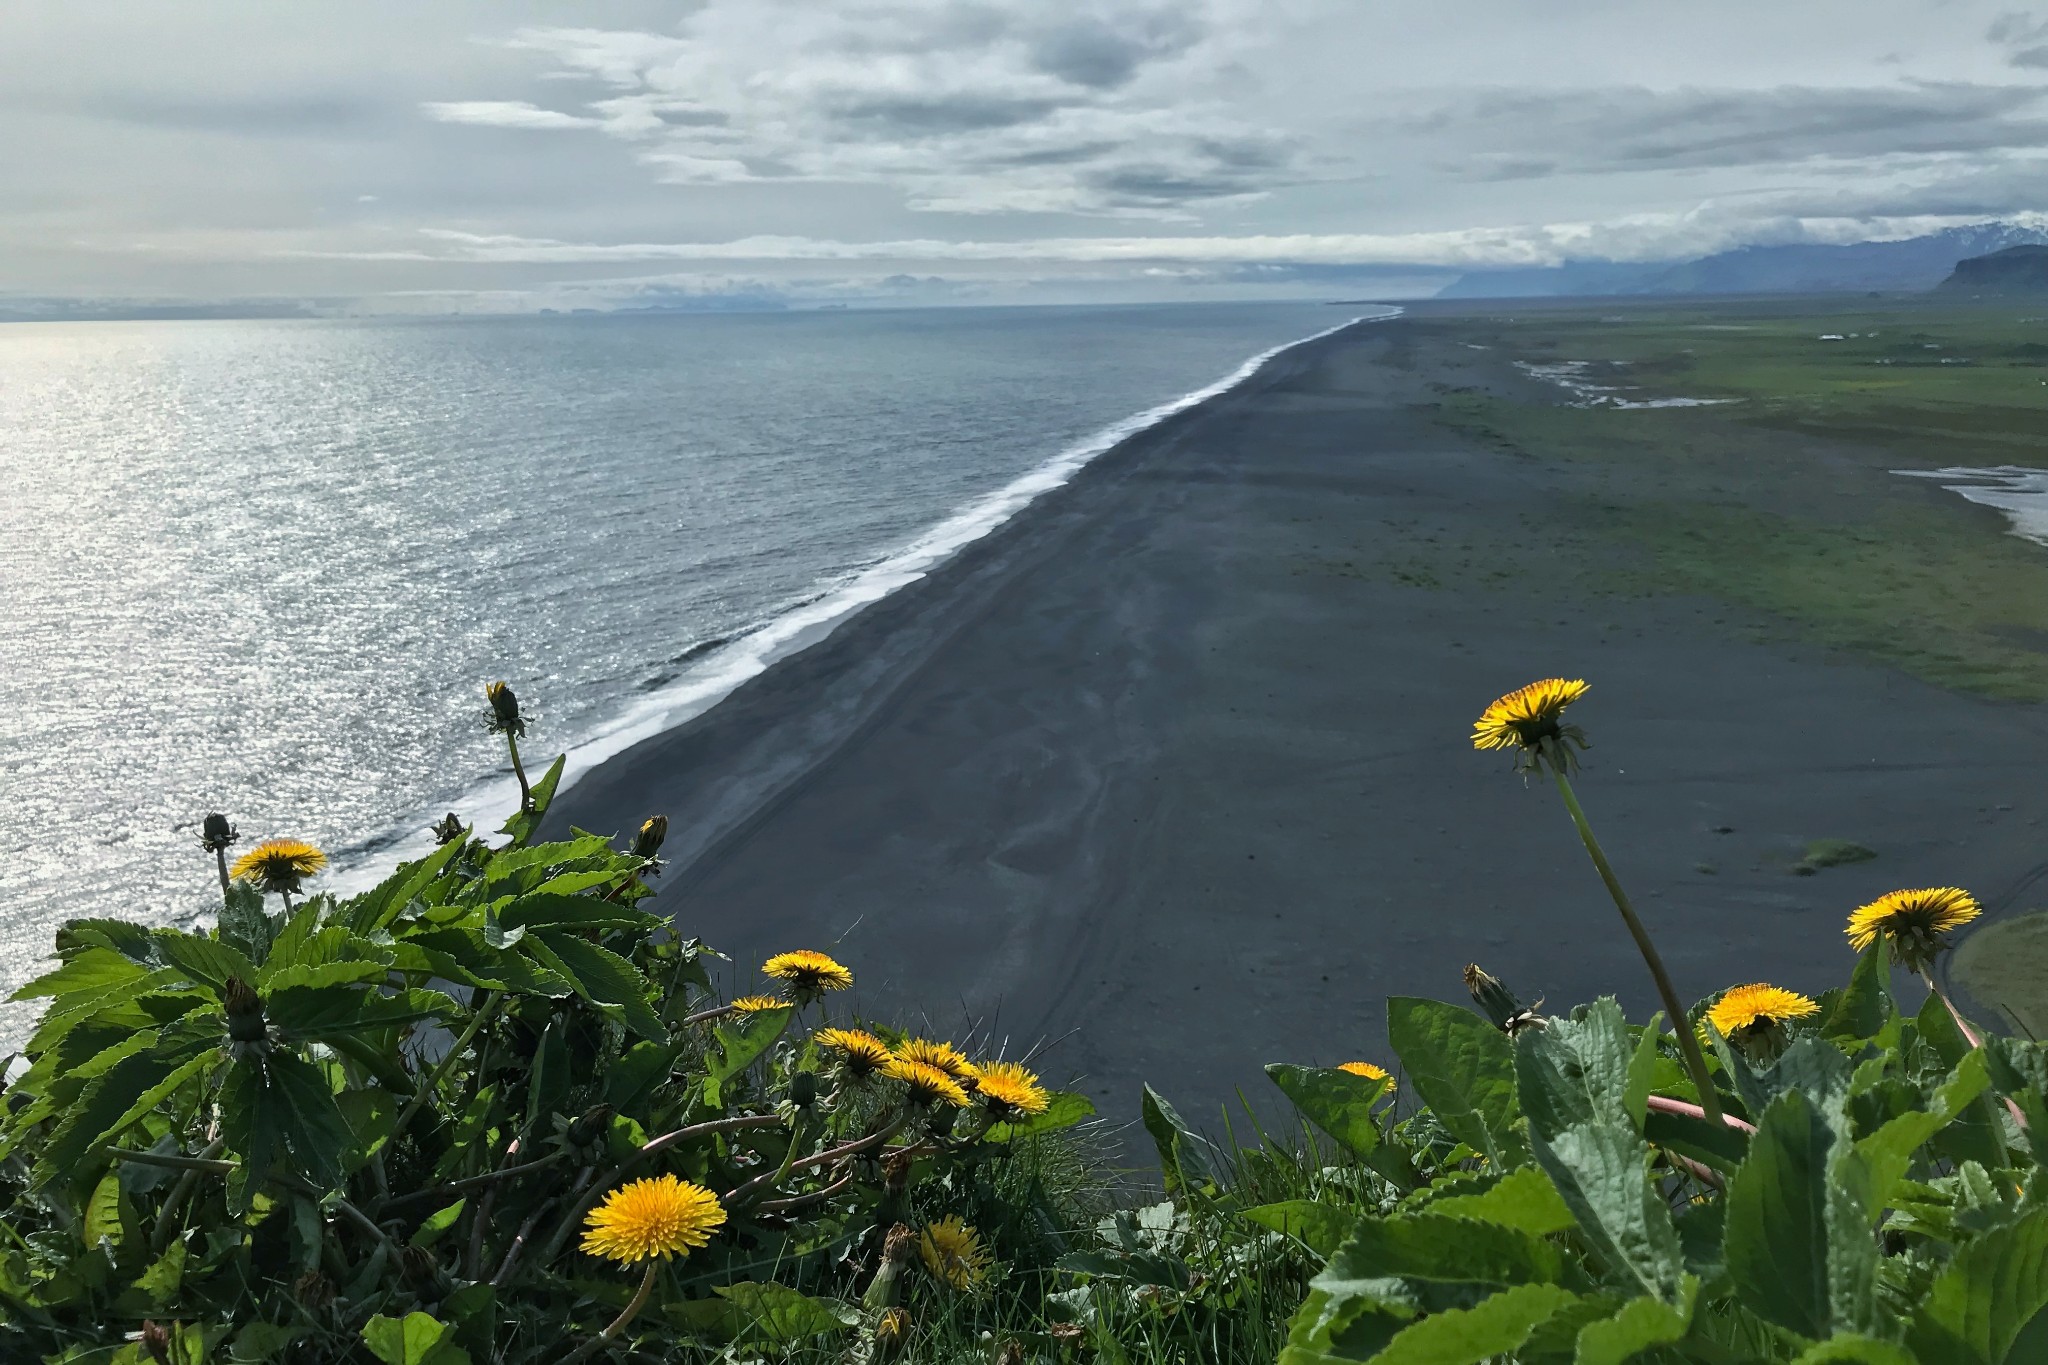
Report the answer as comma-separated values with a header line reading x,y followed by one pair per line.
x,y
1002,148
961,107
1516,134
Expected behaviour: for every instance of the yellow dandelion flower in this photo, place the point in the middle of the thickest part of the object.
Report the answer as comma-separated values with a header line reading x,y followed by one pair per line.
x,y
1914,921
807,974
1757,1006
1531,720
661,1217
1365,1069
279,865
952,1251
944,1056
927,1084
1010,1089
861,1053
754,1004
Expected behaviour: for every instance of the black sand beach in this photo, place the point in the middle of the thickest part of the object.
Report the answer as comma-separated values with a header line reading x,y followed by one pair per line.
x,y
1161,776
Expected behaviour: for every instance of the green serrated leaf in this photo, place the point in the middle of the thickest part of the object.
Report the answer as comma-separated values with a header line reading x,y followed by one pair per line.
x,y
320,1013
1639,1325
278,1110
435,1224
1463,1068
775,1314
415,1339
243,924
1523,1199
1985,1297
1494,1326
103,1212
600,976
96,970
129,939
165,1277
127,1090
1338,1102
741,1044
1437,1246
1602,1172
1865,1005
1320,1227
1063,1109
1182,1163
205,960
1711,1144
546,910
1580,1070
1889,1151
1856,1350
377,907
1797,1240
523,823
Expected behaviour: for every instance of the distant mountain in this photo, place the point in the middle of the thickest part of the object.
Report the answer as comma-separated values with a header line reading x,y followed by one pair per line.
x,y
1912,264
1572,278
2015,270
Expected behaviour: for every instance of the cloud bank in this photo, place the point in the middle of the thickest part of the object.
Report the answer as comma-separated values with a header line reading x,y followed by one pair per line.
x,y
1109,147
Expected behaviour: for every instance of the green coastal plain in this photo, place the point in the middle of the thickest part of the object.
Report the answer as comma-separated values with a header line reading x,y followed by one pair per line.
x,y
1775,486
1784,496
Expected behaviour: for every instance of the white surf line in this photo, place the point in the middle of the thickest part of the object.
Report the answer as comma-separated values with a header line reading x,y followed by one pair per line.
x,y
2019,492
751,654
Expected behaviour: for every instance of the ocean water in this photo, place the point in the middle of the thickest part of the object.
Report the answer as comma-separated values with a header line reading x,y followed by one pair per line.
x,y
266,567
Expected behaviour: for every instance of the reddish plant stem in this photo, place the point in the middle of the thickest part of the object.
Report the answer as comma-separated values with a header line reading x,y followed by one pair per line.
x,y
1667,1105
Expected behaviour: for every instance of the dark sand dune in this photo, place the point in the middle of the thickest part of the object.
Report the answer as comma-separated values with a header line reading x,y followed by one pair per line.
x,y
1161,772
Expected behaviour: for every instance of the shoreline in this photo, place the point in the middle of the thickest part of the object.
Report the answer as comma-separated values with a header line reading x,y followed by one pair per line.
x,y
720,667
1168,775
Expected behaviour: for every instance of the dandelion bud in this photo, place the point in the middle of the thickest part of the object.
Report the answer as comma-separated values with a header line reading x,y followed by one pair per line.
x,y
803,1089
505,716
898,1249
1498,1002
314,1291
648,841
418,1267
156,1341
892,1334
447,829
592,1126
900,1244
216,835
246,1025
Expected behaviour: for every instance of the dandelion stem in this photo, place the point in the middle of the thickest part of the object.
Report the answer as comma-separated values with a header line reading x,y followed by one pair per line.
x,y
433,1082
220,860
167,1217
618,1324
1688,1045
1970,1035
519,771
1666,1105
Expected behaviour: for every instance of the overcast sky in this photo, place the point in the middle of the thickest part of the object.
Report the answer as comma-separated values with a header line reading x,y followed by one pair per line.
x,y
480,153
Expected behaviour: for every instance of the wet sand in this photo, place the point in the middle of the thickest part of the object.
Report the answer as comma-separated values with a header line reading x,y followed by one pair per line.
x,y
1163,778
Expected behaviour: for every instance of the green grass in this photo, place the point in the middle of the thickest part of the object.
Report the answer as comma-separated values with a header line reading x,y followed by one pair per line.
x,y
1787,501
